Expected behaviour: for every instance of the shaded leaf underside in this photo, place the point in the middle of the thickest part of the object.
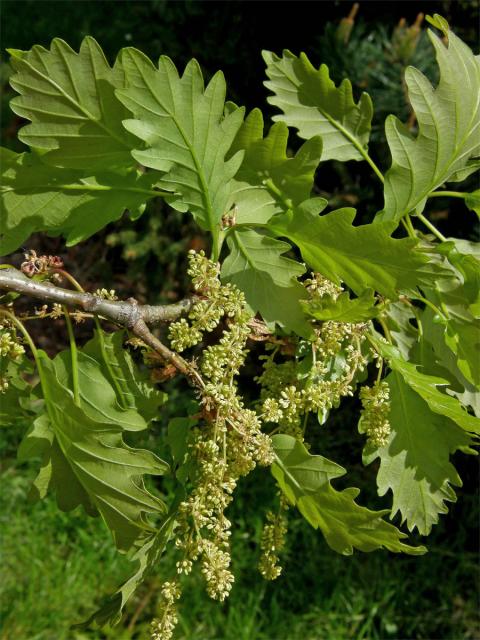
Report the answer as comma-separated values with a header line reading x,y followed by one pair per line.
x,y
449,129
87,463
276,180
186,133
69,97
415,463
311,103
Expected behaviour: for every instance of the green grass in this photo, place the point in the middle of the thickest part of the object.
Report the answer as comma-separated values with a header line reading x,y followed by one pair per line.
x,y
53,564
56,567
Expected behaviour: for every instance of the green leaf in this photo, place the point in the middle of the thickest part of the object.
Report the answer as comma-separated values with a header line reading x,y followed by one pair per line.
x,y
37,440
177,437
448,128
305,480
312,103
438,21
344,308
426,387
415,464
38,443
459,176
442,356
266,164
297,472
464,340
146,558
459,298
133,388
97,396
269,182
252,204
36,197
397,317
472,200
89,464
362,257
269,280
463,247
250,199
179,430
186,133
69,98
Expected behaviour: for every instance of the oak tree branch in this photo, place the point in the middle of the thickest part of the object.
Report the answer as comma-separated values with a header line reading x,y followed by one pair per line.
x,y
126,313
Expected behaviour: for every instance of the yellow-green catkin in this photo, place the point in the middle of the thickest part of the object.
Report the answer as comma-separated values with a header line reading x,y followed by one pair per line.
x,y
10,349
273,541
374,419
162,628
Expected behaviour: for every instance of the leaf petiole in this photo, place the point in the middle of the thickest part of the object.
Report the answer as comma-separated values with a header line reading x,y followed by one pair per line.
x,y
432,306
448,194
386,330
409,226
432,228
101,340
368,158
74,357
70,278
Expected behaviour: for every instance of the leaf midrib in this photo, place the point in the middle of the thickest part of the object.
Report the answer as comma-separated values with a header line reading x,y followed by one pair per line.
x,y
56,188
205,191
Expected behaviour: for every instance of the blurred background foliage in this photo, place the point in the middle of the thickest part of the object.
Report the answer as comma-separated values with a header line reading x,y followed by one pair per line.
x,y
57,566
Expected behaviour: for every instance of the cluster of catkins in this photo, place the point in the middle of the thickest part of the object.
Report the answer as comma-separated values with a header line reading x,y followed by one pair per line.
x,y
337,353
273,541
227,443
11,350
375,413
